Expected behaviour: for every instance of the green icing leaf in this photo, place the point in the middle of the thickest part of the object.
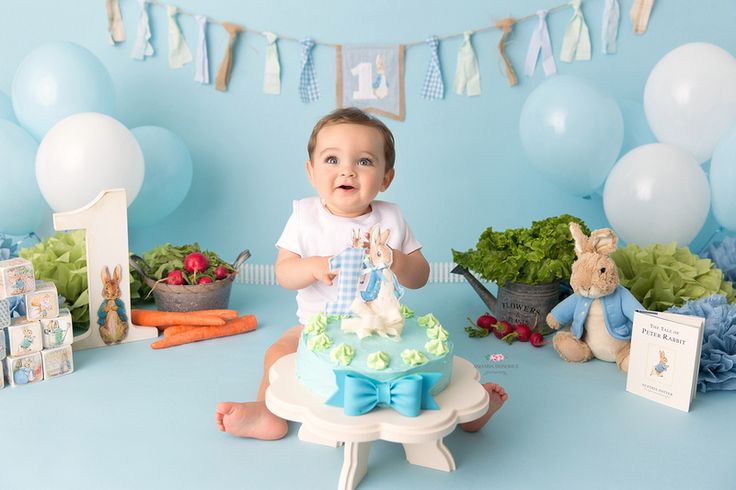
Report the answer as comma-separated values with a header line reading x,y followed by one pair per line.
x,y
661,276
540,254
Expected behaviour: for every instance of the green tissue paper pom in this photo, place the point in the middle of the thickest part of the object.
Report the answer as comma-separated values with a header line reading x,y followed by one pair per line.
x,y
662,276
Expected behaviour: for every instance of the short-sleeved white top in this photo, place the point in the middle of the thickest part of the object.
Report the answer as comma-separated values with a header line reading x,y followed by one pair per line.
x,y
314,231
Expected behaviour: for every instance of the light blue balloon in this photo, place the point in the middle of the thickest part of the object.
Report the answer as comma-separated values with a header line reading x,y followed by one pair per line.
x,y
723,181
636,129
21,203
57,80
571,132
168,175
6,108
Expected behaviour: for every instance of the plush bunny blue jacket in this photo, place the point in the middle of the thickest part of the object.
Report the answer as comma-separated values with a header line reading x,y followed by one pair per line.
x,y
618,312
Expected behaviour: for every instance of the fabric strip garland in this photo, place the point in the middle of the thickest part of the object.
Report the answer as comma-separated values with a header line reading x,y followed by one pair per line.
x,y
609,27
272,70
433,87
467,77
308,88
576,42
226,65
179,54
142,47
201,63
540,42
115,25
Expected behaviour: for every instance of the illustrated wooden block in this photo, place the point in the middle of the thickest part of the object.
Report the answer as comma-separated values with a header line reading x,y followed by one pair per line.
x,y
23,337
23,370
57,331
2,375
4,313
57,362
16,277
2,344
43,302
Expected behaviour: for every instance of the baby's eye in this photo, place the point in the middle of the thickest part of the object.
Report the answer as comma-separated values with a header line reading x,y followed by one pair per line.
x,y
331,160
366,162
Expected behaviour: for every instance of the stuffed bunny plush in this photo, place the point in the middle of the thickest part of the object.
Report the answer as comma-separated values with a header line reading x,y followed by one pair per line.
x,y
111,316
601,310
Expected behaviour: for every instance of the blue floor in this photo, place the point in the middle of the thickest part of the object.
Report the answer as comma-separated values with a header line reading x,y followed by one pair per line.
x,y
131,417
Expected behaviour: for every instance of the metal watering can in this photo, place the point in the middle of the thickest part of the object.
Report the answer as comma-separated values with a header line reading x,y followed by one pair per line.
x,y
518,302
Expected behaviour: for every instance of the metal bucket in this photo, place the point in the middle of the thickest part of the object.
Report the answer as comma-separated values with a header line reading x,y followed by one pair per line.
x,y
524,303
212,296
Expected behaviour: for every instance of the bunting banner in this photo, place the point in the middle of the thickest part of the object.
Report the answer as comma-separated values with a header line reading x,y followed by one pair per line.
x,y
371,78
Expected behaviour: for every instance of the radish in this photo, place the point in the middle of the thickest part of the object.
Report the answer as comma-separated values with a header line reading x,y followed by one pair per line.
x,y
175,277
204,280
195,262
524,332
502,329
486,321
221,272
536,339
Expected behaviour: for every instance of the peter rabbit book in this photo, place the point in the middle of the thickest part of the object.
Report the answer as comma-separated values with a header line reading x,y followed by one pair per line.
x,y
665,357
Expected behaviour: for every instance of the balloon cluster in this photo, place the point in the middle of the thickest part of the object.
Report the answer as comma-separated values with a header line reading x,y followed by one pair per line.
x,y
649,158
64,98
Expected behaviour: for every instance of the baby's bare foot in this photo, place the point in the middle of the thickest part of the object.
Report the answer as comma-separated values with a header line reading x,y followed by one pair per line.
x,y
250,419
498,397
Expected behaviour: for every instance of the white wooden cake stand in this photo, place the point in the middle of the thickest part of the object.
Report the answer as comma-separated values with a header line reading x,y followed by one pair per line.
x,y
463,400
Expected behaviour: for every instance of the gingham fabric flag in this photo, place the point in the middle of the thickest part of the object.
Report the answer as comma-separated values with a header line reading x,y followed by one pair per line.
x,y
433,87
350,264
467,77
114,22
609,27
142,47
576,42
179,54
272,71
202,62
540,42
308,88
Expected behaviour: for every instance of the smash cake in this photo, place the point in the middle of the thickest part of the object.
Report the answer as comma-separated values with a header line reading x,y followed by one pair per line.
x,y
366,344
424,347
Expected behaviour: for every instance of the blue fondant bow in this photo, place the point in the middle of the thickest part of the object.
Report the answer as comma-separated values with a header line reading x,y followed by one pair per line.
x,y
408,395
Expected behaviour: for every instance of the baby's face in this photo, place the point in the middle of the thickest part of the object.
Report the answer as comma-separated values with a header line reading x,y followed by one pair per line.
x,y
348,168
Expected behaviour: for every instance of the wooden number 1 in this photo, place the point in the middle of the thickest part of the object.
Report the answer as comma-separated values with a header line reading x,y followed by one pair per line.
x,y
105,220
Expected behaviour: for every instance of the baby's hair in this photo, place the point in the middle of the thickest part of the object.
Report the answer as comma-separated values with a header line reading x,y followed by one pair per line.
x,y
353,115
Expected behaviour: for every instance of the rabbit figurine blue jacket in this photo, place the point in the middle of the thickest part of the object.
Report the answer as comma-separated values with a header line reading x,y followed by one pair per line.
x,y
618,312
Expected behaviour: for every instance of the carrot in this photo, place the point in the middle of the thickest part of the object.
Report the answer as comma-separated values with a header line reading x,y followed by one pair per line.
x,y
245,323
224,314
154,318
175,329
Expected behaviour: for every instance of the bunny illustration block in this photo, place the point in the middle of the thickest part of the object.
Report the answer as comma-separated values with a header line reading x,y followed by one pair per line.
x,y
57,362
23,337
57,331
16,277
22,370
43,302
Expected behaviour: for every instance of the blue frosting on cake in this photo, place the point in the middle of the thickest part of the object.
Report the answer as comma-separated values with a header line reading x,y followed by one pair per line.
x,y
315,368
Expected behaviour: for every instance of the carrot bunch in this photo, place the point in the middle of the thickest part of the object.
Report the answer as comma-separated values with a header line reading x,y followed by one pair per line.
x,y
192,326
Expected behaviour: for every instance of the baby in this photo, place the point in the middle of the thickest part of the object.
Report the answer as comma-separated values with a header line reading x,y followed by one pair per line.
x,y
351,160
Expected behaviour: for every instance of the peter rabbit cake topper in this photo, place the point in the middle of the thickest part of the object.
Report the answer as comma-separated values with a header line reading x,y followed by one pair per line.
x,y
367,288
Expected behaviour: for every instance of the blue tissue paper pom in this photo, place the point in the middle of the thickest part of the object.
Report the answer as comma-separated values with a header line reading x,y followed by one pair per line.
x,y
723,254
718,355
8,247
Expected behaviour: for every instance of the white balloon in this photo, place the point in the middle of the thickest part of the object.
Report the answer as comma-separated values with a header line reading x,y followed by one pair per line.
x,y
84,154
657,193
690,97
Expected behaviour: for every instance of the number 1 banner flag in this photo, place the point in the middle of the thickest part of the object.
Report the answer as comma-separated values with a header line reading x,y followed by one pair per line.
x,y
371,78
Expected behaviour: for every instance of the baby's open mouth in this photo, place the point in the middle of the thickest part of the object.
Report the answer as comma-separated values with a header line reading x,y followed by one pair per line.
x,y
346,187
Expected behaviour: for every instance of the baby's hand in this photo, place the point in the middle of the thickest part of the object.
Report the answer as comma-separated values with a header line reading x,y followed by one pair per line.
x,y
323,273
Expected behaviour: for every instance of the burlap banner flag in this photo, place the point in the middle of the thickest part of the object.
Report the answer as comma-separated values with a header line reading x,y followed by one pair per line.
x,y
371,78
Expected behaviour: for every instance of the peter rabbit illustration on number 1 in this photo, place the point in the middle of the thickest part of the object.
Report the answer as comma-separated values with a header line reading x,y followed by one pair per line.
x,y
105,221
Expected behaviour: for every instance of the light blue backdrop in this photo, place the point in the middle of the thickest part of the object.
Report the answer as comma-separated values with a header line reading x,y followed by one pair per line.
x,y
460,166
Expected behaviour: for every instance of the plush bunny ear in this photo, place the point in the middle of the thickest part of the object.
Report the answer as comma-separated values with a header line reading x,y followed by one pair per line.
x,y
105,275
581,240
603,241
